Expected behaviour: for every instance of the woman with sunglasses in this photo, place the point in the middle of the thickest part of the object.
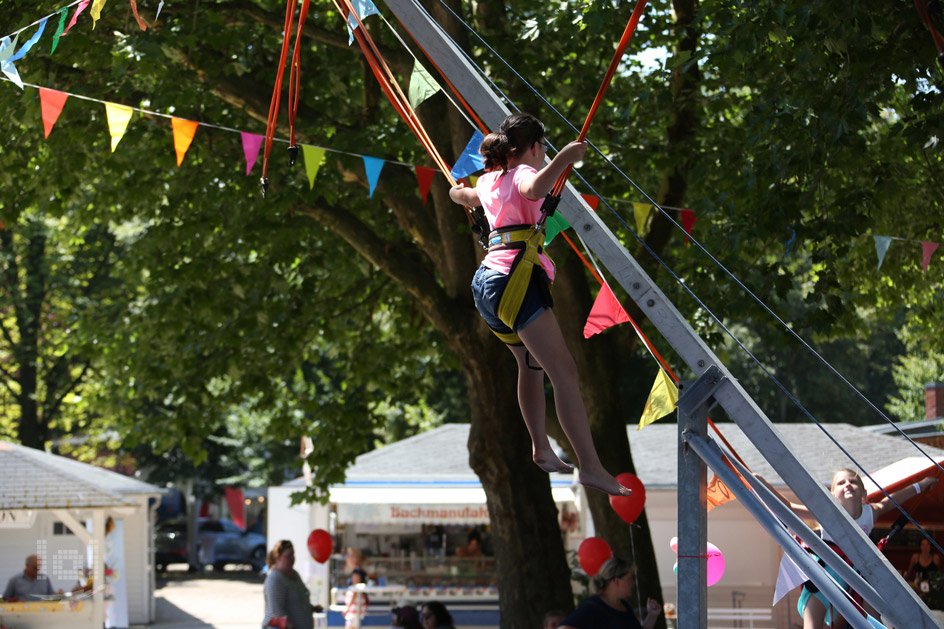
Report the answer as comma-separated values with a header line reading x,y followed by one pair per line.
x,y
610,608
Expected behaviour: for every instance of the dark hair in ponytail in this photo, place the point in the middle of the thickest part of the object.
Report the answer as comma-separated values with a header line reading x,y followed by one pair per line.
x,y
517,133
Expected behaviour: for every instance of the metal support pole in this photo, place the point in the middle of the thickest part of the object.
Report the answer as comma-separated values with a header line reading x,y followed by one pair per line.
x,y
813,570
692,519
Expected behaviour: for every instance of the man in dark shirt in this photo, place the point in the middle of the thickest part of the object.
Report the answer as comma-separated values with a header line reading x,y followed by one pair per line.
x,y
29,585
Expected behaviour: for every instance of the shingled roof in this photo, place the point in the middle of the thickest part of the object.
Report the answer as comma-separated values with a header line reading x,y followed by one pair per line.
x,y
442,453
33,479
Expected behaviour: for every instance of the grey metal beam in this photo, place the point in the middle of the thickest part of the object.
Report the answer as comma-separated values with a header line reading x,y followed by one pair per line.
x,y
902,604
692,598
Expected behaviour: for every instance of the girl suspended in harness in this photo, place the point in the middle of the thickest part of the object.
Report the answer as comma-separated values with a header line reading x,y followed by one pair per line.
x,y
511,193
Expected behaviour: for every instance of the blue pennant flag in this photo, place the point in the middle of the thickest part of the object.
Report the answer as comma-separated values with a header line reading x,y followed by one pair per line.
x,y
373,166
470,161
6,65
363,8
30,42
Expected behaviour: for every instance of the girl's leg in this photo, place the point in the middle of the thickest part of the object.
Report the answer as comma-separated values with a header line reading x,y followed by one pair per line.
x,y
542,337
814,614
533,407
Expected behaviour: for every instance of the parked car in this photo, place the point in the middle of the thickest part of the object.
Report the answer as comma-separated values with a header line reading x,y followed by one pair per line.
x,y
219,543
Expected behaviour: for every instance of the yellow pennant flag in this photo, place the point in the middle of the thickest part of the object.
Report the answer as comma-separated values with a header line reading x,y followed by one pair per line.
x,y
641,212
118,118
314,158
96,12
662,399
183,136
473,179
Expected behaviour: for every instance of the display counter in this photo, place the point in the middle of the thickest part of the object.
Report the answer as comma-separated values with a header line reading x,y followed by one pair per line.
x,y
47,614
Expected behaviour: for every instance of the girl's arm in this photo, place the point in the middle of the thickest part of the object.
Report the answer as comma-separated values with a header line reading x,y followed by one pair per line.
x,y
464,196
900,496
800,510
542,182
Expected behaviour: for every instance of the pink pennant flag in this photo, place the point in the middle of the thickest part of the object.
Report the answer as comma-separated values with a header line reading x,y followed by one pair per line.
x,y
591,200
606,313
75,16
927,250
183,136
251,144
688,221
424,176
51,103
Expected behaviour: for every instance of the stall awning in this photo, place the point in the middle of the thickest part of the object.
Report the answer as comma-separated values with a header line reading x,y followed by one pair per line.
x,y
927,508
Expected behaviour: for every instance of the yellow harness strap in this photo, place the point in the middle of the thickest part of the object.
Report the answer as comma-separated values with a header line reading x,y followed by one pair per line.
x,y
530,241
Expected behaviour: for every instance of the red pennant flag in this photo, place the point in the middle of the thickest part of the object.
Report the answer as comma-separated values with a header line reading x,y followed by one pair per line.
x,y
591,200
51,103
688,221
183,136
424,176
134,9
927,249
75,16
606,312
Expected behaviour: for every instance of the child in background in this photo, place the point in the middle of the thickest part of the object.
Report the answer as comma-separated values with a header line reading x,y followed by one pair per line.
x,y
356,600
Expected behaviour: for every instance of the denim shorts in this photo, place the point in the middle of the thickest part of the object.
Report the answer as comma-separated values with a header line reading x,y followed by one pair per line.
x,y
488,286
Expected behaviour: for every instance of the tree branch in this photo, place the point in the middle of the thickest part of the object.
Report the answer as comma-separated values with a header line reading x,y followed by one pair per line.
x,y
52,410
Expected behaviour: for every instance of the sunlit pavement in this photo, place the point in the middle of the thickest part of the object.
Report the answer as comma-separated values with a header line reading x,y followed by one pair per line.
x,y
231,599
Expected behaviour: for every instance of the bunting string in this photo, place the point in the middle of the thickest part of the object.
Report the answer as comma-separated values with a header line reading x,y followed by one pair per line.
x,y
43,19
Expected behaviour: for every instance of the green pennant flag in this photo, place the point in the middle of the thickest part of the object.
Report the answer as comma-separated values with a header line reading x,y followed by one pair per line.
x,y
314,157
555,225
422,85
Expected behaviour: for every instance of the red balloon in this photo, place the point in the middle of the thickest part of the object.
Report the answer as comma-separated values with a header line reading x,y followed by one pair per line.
x,y
629,507
593,552
320,545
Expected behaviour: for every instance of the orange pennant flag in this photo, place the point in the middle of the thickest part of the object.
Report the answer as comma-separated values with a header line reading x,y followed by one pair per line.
x,y
183,136
591,200
51,103
424,176
606,312
718,493
134,9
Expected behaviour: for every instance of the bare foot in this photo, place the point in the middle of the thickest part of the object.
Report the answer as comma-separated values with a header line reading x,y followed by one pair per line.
x,y
548,461
604,482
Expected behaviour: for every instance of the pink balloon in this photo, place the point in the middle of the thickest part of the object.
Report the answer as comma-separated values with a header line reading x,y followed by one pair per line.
x,y
715,564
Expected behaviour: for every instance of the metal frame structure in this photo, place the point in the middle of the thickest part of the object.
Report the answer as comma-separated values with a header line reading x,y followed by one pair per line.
x,y
714,385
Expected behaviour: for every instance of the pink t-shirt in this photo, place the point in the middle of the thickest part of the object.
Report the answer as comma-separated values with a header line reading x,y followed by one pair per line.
x,y
504,205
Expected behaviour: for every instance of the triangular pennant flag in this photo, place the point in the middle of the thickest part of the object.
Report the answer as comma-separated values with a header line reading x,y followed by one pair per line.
x,y
63,14
424,177
183,136
373,166
75,16
592,201
6,66
688,221
134,9
472,180
881,247
718,493
662,400
30,42
927,250
96,11
470,161
51,102
555,224
159,7
641,213
606,313
314,158
118,117
363,8
422,85
251,144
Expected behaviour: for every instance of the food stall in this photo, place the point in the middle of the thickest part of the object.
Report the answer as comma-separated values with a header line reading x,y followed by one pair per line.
x,y
409,509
